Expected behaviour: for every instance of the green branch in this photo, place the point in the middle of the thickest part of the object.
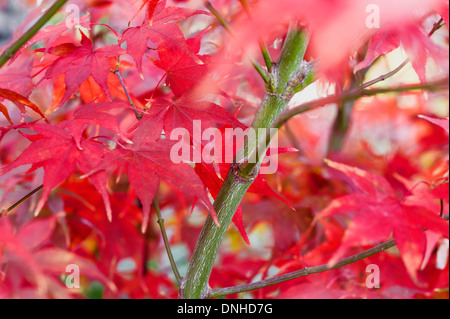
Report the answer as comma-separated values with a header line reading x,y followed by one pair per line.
x,y
160,222
11,50
241,175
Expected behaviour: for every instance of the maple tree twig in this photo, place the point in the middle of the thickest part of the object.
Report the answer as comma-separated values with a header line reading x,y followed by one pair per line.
x,y
227,27
383,77
130,101
302,272
13,48
355,94
305,271
160,222
238,180
24,198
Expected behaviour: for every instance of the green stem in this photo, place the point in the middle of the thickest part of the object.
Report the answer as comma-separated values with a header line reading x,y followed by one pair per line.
x,y
160,222
10,51
266,55
241,176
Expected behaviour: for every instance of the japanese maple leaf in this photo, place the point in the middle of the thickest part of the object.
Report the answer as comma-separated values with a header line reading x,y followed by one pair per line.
x,y
19,100
378,213
183,72
158,29
444,123
416,43
183,112
214,174
148,162
78,63
32,260
97,114
18,78
52,32
56,150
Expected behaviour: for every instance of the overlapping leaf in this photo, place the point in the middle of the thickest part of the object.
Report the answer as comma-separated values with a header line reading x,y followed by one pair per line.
x,y
213,176
183,112
57,151
159,30
377,213
78,63
34,266
148,162
18,100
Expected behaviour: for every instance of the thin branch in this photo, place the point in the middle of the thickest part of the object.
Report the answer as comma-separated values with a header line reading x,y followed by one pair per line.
x,y
219,18
356,94
305,271
301,273
13,48
227,27
345,96
383,77
437,26
160,222
136,113
24,198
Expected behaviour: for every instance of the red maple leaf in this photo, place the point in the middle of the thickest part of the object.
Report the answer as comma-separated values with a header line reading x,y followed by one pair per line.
x,y
51,33
147,162
444,123
32,261
56,150
183,72
183,112
157,28
377,213
97,114
213,176
415,42
19,100
78,63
